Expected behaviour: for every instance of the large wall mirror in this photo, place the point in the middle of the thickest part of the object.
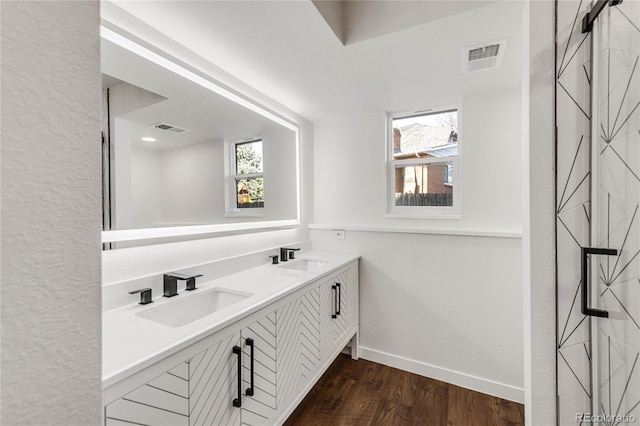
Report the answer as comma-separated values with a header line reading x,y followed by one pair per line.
x,y
184,156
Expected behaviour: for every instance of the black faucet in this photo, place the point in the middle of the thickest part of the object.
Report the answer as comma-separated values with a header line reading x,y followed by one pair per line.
x,y
171,283
287,253
145,295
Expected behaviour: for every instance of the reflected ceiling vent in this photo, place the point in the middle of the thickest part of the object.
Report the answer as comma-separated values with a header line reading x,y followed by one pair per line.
x,y
484,56
170,128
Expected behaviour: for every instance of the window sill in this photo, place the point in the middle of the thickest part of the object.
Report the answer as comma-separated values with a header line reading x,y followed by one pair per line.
x,y
242,214
461,232
422,216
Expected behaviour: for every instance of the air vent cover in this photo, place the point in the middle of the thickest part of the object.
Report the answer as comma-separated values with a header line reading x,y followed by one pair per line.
x,y
484,56
170,128
484,52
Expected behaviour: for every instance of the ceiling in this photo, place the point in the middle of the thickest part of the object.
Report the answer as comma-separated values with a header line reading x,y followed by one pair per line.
x,y
397,56
353,21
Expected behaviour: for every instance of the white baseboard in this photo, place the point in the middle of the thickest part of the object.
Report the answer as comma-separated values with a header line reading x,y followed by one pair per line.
x,y
478,384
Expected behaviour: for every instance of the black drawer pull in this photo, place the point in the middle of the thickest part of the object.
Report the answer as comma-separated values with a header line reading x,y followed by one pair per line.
x,y
334,315
237,401
249,391
339,291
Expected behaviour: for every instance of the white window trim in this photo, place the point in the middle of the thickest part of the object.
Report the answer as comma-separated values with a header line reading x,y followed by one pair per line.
x,y
426,212
230,173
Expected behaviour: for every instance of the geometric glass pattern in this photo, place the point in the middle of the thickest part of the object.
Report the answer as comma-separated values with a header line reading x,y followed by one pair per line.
x,y
617,211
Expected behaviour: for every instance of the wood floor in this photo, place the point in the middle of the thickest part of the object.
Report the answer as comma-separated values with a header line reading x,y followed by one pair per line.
x,y
365,393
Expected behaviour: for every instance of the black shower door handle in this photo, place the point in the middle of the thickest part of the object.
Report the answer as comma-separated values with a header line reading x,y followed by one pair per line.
x,y
586,310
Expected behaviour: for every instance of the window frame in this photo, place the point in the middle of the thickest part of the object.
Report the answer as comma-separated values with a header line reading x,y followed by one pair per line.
x,y
231,175
423,212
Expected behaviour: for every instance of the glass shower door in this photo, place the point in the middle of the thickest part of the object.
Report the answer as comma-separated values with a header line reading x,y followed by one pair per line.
x,y
598,213
615,216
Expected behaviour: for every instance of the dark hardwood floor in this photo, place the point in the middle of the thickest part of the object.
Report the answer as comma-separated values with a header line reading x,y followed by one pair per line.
x,y
366,393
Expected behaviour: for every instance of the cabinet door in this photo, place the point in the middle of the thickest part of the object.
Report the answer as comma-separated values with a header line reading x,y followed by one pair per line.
x,y
350,290
328,315
259,402
338,308
309,334
298,348
341,292
213,385
198,391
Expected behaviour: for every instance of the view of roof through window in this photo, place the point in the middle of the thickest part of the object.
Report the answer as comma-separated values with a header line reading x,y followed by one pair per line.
x,y
430,135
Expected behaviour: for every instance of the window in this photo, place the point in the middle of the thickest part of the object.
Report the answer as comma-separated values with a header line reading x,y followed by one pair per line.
x,y
246,180
423,151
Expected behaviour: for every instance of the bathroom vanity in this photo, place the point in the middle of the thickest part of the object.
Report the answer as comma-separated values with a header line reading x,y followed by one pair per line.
x,y
244,348
272,332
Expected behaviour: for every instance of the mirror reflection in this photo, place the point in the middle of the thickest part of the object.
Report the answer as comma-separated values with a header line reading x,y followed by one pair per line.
x,y
178,153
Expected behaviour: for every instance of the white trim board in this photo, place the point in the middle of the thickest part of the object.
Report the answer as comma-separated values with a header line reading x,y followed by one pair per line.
x,y
464,380
474,232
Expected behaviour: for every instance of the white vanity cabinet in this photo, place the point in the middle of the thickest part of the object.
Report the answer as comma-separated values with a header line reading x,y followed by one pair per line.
x,y
283,348
313,329
203,389
196,391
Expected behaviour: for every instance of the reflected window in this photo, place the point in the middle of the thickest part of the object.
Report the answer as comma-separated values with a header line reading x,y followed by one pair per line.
x,y
248,174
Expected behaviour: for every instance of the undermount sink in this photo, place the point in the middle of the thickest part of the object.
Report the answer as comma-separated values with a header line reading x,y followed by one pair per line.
x,y
304,264
177,313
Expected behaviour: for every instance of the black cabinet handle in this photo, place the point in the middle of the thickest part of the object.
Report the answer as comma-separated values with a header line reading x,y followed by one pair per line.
x,y
250,343
339,291
237,401
586,310
335,302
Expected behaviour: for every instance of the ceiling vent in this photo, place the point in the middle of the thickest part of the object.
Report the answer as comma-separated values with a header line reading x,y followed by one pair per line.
x,y
170,128
484,56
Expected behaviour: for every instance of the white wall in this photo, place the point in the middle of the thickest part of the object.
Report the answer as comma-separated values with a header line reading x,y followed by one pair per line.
x,y
192,182
185,186
279,173
351,172
121,196
146,197
491,137
51,335
124,98
445,306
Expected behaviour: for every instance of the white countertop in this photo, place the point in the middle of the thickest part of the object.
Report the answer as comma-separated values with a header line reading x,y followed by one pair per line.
x,y
130,343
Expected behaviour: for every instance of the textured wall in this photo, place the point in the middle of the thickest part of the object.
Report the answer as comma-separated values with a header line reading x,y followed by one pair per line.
x,y
50,223
539,205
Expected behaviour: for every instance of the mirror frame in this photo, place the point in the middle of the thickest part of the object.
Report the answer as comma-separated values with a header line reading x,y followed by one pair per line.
x,y
113,236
